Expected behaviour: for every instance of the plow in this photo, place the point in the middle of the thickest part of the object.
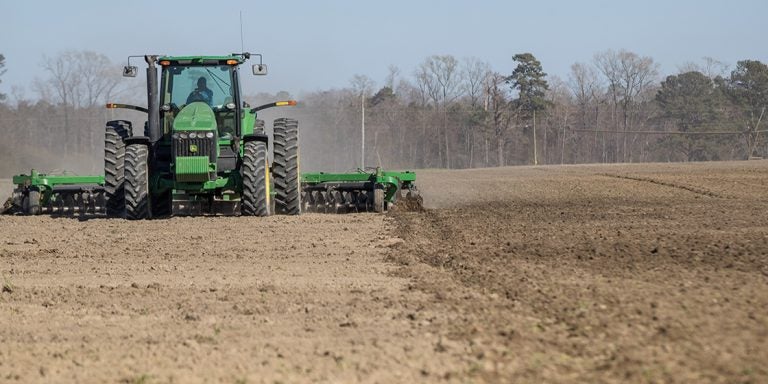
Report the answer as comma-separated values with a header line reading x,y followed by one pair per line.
x,y
361,191
354,192
204,151
39,193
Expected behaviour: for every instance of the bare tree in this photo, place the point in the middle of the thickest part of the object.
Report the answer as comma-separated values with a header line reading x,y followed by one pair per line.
x,y
64,81
429,89
444,70
440,78
393,72
710,67
78,79
77,85
628,75
99,76
500,113
557,119
475,73
362,85
587,90
585,86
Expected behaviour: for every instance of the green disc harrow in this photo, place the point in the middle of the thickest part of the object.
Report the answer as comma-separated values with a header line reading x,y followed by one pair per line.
x,y
371,190
39,193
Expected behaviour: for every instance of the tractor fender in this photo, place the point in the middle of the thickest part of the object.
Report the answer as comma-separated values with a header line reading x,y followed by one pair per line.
x,y
256,137
137,140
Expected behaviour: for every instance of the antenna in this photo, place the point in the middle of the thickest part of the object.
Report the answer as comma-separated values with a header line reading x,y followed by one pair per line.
x,y
242,46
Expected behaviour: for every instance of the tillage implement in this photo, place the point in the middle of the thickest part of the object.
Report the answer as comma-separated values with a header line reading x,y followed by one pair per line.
x,y
39,193
373,190
204,151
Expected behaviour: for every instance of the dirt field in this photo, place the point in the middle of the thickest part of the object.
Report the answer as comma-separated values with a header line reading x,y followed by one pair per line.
x,y
641,273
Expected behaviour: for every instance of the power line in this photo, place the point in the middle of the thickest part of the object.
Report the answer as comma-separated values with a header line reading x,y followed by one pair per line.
x,y
671,132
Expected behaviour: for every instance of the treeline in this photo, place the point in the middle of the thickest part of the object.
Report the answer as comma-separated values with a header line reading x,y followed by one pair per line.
x,y
61,128
446,113
451,113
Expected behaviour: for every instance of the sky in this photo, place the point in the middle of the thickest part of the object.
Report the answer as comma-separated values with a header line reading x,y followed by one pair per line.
x,y
318,45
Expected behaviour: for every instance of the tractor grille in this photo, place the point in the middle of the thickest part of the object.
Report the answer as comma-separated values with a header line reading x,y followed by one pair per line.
x,y
191,158
195,147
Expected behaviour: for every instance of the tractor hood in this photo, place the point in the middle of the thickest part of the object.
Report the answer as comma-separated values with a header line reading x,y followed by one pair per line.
x,y
197,116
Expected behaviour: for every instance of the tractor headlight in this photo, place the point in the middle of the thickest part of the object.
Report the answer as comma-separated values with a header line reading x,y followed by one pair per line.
x,y
175,136
193,135
183,135
209,135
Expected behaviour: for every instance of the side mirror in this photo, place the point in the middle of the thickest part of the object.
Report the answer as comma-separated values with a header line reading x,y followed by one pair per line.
x,y
130,71
260,69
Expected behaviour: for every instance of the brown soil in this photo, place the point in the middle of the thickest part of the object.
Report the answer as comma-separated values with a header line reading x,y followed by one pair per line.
x,y
642,273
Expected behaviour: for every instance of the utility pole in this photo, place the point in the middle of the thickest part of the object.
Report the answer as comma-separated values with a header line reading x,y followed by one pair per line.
x,y
362,128
535,152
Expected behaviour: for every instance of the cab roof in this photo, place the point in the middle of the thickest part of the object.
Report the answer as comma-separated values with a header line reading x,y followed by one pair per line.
x,y
202,60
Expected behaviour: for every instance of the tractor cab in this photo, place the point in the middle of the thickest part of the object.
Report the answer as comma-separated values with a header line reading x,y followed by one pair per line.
x,y
201,115
205,85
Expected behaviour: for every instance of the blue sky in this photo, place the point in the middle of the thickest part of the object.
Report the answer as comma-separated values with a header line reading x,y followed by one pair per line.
x,y
312,45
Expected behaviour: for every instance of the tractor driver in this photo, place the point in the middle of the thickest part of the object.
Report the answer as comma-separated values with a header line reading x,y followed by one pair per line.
x,y
201,93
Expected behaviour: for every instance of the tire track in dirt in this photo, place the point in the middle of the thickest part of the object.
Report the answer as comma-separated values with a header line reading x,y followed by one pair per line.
x,y
697,190
688,188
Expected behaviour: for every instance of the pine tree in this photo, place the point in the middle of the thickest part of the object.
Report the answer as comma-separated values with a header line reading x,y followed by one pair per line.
x,y
528,79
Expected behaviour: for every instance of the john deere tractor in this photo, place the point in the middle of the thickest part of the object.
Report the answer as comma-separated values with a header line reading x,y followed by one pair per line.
x,y
203,149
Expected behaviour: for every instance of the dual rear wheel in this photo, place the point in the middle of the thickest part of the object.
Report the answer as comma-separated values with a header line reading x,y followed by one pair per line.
x,y
255,172
285,167
114,166
255,176
137,204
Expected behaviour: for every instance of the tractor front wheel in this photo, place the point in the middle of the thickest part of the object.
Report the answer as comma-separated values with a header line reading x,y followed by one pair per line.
x,y
137,205
254,175
258,126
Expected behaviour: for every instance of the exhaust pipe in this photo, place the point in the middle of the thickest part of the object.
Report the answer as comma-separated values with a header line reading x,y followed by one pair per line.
x,y
153,103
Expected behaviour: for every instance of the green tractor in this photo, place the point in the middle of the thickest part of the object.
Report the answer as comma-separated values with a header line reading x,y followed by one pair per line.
x,y
203,150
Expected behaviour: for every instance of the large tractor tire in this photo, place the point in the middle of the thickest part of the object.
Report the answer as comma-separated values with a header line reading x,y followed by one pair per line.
x,y
258,126
255,180
137,200
285,167
114,163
